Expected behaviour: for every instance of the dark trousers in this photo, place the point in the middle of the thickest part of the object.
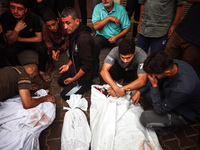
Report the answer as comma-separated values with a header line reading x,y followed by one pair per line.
x,y
184,50
156,44
82,5
150,119
118,73
74,87
100,43
133,6
13,49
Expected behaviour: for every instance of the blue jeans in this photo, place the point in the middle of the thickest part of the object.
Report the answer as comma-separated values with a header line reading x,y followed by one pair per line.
x,y
156,44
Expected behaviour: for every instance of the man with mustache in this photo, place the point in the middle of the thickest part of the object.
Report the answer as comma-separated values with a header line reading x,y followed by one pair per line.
x,y
22,30
77,75
111,23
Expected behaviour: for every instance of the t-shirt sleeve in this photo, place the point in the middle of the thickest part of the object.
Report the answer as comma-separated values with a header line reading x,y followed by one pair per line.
x,y
112,56
141,57
24,83
180,2
37,24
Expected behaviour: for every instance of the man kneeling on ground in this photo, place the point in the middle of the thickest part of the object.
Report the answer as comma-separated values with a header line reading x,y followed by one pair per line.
x,y
78,73
14,80
124,62
173,90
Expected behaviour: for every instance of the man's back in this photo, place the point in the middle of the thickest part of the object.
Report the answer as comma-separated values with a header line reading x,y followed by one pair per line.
x,y
13,79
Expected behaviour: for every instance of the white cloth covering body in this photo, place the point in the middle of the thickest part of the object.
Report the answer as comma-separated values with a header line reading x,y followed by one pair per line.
x,y
20,128
115,124
76,134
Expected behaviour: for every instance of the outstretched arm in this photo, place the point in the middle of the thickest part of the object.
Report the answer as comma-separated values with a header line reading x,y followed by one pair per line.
x,y
138,83
36,38
29,102
108,79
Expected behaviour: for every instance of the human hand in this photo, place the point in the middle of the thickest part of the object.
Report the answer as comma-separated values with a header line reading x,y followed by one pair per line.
x,y
50,98
153,80
171,29
20,26
68,81
64,68
113,39
111,92
57,55
120,91
114,19
136,97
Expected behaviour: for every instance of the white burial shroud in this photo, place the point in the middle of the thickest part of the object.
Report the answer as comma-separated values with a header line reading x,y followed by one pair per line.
x,y
115,124
20,128
76,134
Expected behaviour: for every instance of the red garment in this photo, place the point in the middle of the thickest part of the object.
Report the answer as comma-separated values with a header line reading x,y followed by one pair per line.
x,y
59,38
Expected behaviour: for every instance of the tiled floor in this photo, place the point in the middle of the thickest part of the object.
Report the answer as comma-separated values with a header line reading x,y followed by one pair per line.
x,y
185,138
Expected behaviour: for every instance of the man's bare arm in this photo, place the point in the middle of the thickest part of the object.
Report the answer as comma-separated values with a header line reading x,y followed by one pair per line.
x,y
11,36
108,79
36,38
121,34
138,83
141,10
100,24
177,18
29,102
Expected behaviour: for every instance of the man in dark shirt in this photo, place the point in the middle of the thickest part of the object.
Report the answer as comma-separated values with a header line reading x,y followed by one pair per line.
x,y
172,89
22,30
14,80
78,73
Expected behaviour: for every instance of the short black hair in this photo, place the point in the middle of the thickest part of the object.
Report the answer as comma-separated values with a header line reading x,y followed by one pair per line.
x,y
22,2
126,47
49,15
69,11
158,62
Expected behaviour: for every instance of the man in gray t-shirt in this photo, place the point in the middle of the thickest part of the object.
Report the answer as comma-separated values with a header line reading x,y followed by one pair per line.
x,y
124,62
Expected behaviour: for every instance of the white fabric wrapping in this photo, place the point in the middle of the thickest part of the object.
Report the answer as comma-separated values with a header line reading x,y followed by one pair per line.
x,y
76,134
20,128
115,124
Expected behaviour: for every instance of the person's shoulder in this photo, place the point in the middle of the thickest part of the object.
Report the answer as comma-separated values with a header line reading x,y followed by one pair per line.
x,y
6,15
118,6
140,51
31,15
84,30
114,52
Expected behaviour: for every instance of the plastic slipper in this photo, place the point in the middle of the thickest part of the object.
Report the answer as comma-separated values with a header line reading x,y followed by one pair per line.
x,y
46,77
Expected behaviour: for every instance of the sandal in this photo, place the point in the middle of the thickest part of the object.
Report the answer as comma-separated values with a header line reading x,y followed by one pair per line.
x,y
46,77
